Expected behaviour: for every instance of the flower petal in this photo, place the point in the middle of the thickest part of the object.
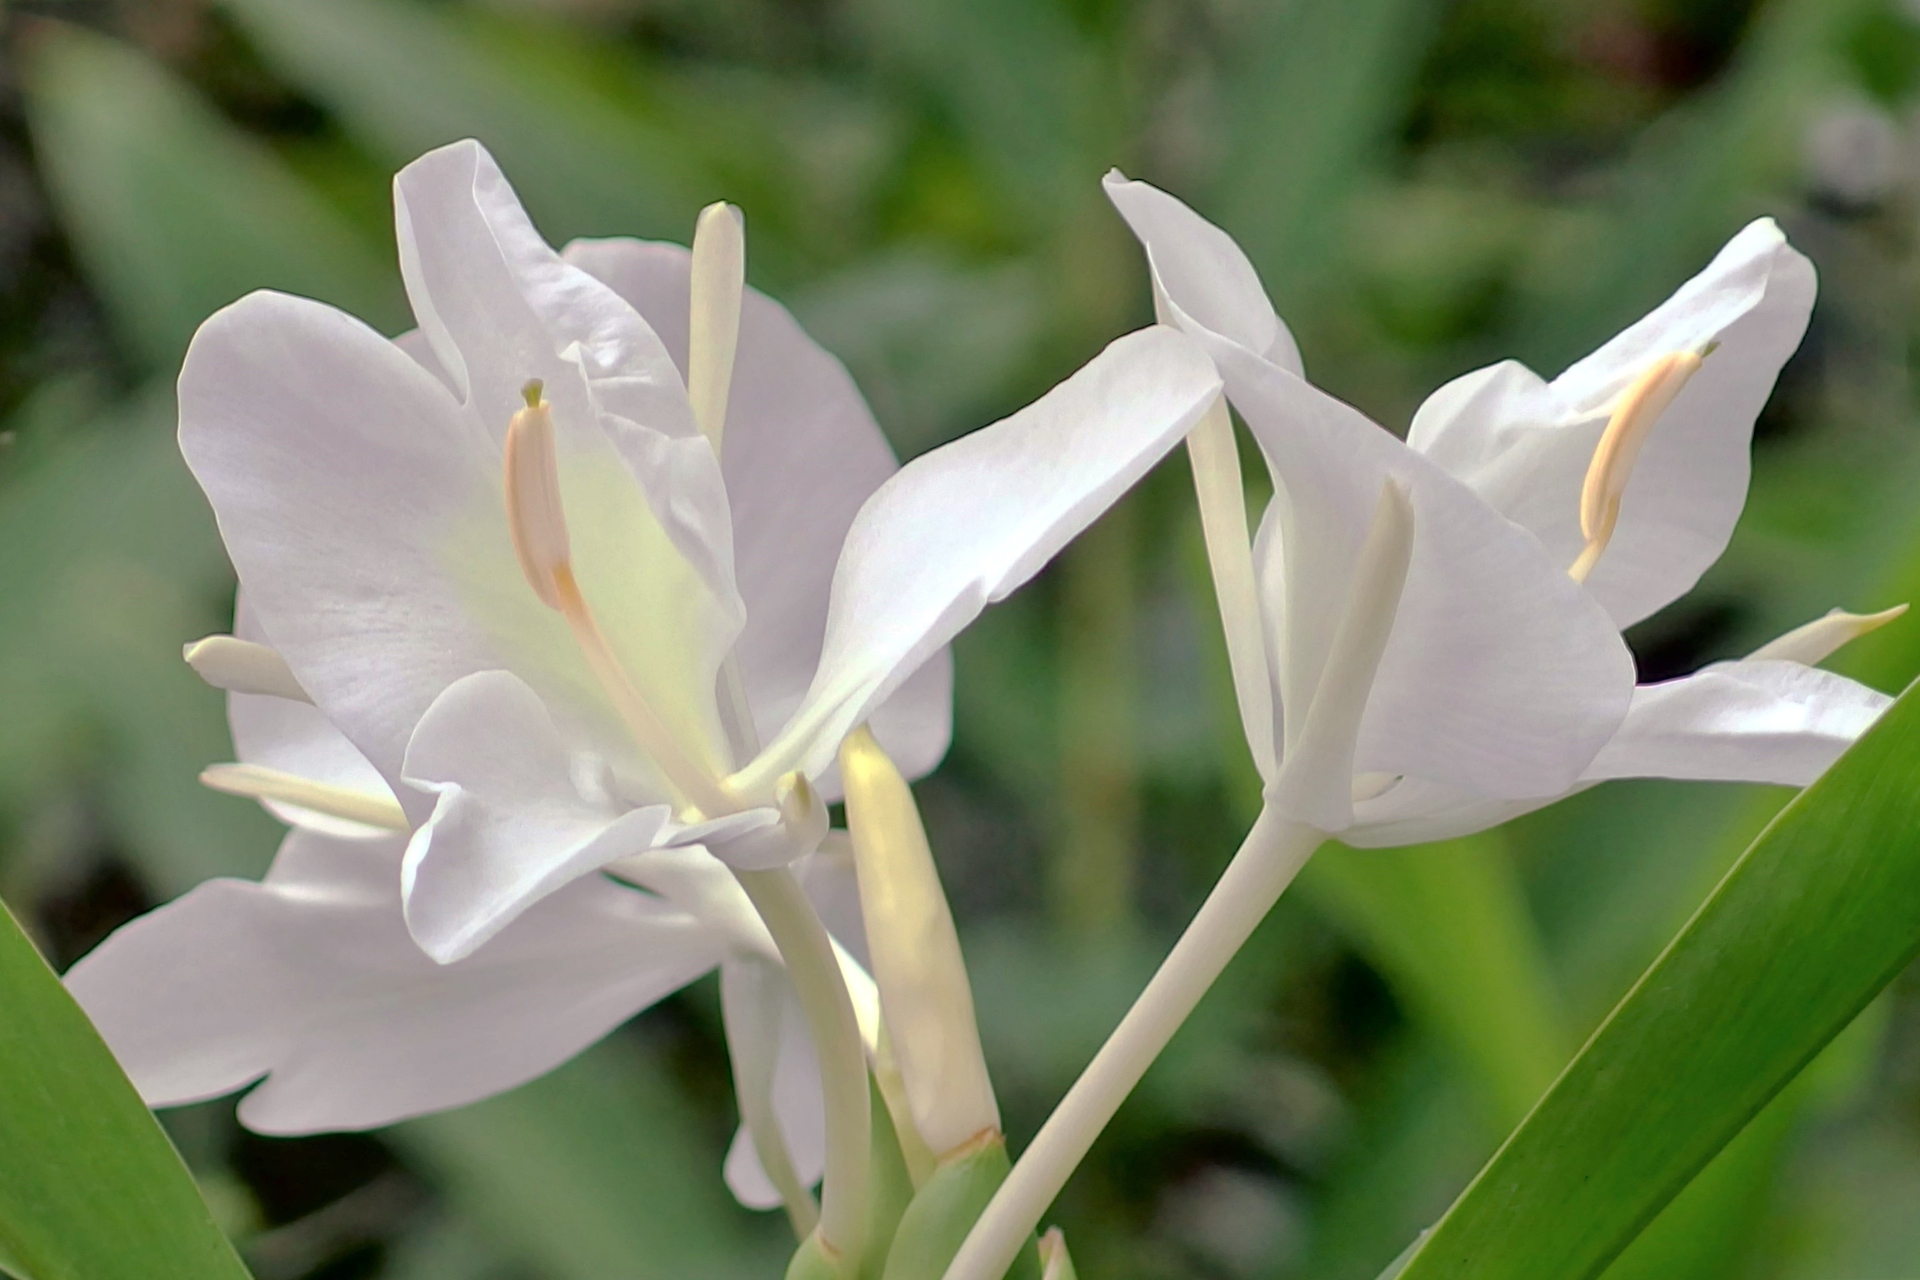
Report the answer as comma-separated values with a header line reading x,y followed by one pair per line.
x,y
1501,675
966,524
764,1021
511,823
1524,445
311,980
801,454
1750,721
1200,266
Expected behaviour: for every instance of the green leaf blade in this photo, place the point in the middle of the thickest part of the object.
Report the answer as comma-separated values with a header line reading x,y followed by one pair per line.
x,y
90,1187
1820,914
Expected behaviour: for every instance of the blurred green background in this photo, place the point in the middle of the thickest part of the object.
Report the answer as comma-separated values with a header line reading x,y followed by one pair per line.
x,y
1425,187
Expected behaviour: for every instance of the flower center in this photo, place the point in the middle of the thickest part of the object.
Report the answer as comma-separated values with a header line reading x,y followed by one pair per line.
x,y
1627,430
537,523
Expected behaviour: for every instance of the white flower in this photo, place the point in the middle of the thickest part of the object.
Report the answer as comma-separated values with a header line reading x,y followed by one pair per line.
x,y
309,985
557,610
1537,519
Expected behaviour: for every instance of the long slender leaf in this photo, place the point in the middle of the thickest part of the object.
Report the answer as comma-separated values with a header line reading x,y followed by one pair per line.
x,y
174,212
1820,914
1448,925
90,1188
568,129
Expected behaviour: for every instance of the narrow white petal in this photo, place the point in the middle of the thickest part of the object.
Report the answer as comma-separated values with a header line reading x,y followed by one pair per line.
x,y
1316,780
754,1003
966,524
1198,265
1749,721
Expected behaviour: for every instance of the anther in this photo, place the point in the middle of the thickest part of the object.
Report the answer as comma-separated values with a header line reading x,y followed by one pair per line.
x,y
535,518
1634,416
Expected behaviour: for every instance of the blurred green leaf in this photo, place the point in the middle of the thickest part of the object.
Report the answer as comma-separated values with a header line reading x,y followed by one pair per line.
x,y
175,212
595,1172
1695,177
1804,931
566,120
111,562
1313,94
90,1188
1448,925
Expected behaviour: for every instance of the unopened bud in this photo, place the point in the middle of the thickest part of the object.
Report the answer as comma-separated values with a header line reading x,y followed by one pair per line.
x,y
241,666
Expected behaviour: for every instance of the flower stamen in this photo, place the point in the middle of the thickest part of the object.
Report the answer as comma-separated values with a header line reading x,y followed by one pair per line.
x,y
257,782
537,522
713,318
1639,407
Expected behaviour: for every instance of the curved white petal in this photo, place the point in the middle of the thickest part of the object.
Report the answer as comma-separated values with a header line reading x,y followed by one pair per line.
x,y
311,980
1500,676
515,817
964,525
772,1033
1524,445
1750,721
1199,265
1415,811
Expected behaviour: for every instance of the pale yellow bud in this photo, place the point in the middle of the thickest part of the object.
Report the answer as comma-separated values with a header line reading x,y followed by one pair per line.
x,y
241,666
925,999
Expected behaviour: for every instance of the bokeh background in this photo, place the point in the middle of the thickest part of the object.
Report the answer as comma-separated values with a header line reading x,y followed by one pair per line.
x,y
1425,187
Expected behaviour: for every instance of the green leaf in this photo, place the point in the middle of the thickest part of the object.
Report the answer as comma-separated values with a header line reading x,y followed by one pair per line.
x,y
1449,927
1314,93
90,1188
1816,917
173,211
569,127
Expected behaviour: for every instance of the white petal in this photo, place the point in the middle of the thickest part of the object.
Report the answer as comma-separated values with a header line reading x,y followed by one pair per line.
x,y
966,524
311,980
801,453
766,1026
1747,721
1199,266
1501,675
1524,445
511,823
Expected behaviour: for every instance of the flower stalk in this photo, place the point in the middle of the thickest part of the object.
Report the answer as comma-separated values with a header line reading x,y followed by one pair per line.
x,y
808,954
1272,854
